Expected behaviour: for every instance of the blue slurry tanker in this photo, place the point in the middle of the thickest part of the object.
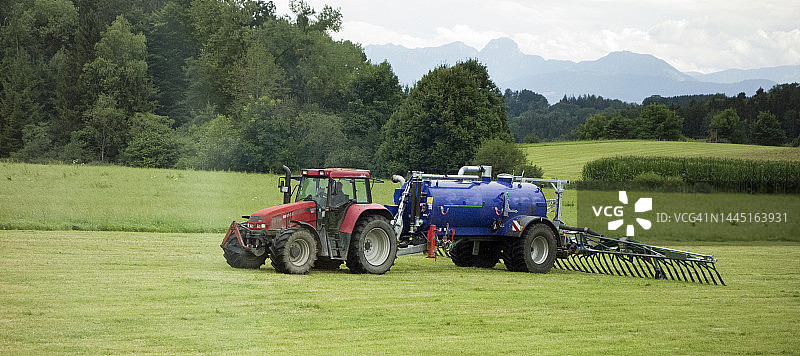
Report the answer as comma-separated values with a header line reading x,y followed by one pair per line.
x,y
474,220
477,221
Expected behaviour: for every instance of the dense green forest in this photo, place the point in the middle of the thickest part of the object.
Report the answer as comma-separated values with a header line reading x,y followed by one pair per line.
x,y
205,83
769,117
212,84
231,84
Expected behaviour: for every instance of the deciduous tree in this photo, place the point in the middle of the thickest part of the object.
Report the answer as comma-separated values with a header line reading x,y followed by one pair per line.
x,y
440,125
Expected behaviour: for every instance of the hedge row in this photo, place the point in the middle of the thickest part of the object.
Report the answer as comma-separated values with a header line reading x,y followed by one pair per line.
x,y
736,175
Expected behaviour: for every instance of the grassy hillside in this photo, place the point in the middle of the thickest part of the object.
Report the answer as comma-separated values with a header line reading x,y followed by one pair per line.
x,y
76,197
81,292
564,160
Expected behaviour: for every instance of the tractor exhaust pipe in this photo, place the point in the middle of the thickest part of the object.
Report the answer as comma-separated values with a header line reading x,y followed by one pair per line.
x,y
287,187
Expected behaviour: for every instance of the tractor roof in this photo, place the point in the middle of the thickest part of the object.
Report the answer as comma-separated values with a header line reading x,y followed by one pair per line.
x,y
336,173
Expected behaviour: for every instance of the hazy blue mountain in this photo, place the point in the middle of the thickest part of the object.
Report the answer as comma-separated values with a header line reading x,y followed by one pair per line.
x,y
629,63
626,76
781,74
410,64
506,62
622,75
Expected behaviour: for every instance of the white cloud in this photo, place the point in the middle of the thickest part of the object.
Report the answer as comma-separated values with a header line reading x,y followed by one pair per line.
x,y
367,33
473,38
690,35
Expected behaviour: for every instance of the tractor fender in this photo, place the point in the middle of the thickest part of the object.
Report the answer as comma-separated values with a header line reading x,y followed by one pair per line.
x,y
323,243
355,212
529,220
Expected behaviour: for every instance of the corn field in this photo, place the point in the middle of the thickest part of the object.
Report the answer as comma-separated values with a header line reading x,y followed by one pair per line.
x,y
734,175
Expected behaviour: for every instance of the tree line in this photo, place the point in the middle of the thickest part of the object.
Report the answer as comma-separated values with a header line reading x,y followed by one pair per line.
x,y
226,85
204,83
769,117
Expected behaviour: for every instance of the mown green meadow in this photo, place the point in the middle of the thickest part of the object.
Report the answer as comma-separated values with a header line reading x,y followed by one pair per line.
x,y
79,292
146,275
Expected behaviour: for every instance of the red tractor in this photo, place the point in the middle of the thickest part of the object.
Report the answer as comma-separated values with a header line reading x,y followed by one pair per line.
x,y
332,220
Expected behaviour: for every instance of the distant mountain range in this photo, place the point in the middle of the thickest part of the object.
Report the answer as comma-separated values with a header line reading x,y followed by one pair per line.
x,y
627,76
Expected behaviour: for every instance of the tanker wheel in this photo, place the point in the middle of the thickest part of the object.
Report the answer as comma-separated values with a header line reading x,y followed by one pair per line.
x,y
487,257
326,263
373,246
461,254
238,257
294,251
488,254
534,251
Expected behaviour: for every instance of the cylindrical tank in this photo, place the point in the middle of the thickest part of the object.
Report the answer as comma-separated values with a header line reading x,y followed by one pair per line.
x,y
476,207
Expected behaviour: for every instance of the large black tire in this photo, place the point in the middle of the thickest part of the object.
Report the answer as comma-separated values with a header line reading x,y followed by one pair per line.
x,y
293,251
488,254
326,263
461,254
238,257
373,246
534,251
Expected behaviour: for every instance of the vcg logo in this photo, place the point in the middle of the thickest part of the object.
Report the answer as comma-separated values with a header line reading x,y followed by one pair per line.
x,y
642,205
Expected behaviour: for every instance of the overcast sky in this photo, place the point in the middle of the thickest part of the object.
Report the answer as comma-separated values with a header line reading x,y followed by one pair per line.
x,y
692,35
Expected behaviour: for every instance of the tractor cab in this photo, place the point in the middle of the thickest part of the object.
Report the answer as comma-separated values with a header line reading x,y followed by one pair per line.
x,y
335,187
333,190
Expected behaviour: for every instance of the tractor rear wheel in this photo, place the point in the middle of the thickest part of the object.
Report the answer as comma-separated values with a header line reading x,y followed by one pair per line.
x,y
534,251
373,246
326,263
294,251
238,257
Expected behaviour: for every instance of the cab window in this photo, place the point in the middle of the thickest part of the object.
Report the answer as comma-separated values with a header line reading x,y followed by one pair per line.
x,y
341,191
312,189
361,191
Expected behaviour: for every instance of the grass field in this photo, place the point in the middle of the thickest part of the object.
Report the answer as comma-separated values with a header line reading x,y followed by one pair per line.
x,y
82,292
111,198
113,292
77,197
564,160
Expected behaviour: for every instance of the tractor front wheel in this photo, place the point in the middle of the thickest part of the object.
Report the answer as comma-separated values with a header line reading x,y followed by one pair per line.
x,y
294,251
373,246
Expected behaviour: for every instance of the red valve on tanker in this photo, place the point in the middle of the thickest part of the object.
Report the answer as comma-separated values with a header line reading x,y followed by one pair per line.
x,y
432,242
